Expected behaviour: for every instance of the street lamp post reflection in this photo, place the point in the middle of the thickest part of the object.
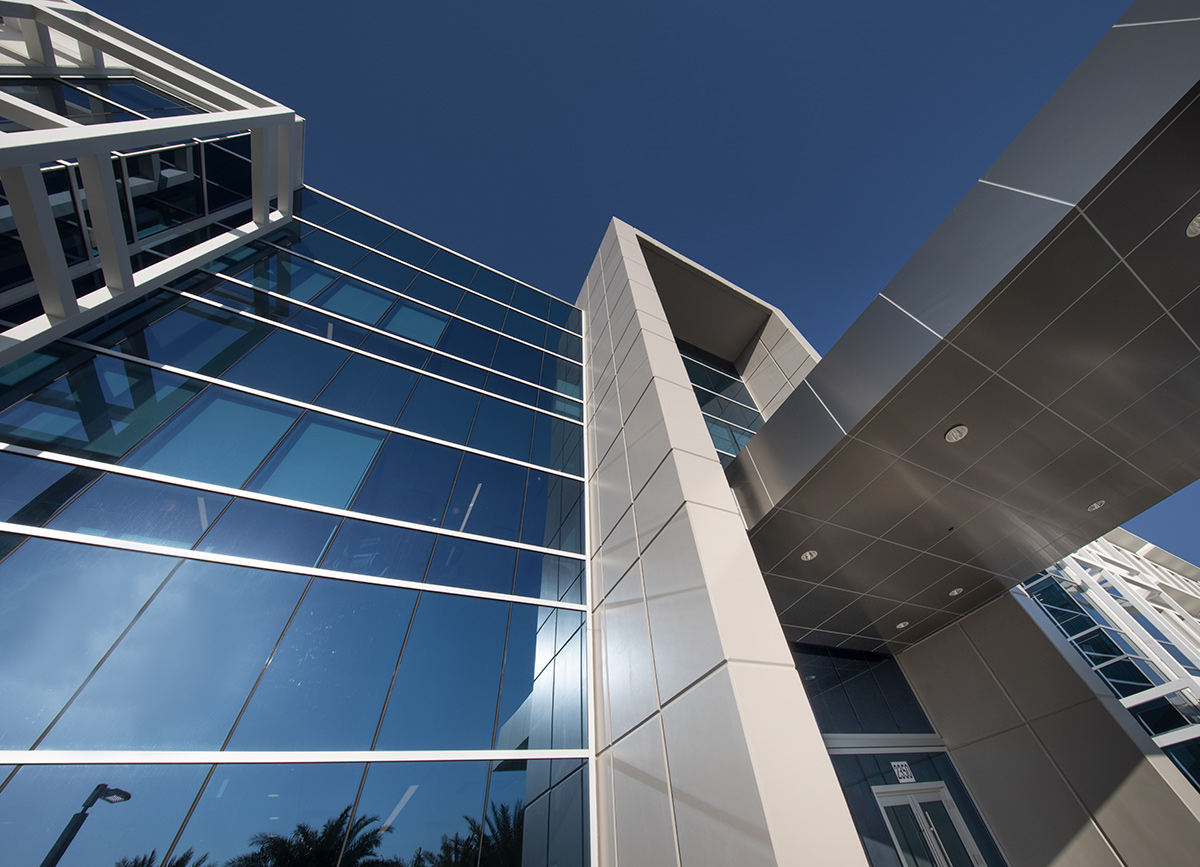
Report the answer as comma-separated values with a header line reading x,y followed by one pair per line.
x,y
102,792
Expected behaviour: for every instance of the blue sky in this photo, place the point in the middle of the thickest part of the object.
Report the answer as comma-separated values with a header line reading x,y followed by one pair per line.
x,y
803,151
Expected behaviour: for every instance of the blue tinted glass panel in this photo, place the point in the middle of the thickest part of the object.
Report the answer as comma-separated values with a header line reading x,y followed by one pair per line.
x,y
492,285
409,481
141,511
288,275
487,498
321,461
316,208
452,266
196,338
503,428
387,347
459,371
570,345
471,564
525,328
409,248
220,438
506,387
446,797
326,248
558,444
355,300
288,364
101,408
453,677
531,301
25,480
481,310
182,674
327,326
433,291
368,388
384,271
377,549
464,340
327,682
439,409
548,577
242,803
38,800
362,228
415,322
61,608
265,531
517,359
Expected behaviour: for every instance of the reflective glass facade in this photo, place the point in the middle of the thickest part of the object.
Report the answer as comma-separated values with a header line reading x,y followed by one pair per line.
x,y
318,505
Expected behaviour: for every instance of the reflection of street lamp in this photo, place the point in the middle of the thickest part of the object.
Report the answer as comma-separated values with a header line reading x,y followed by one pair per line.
x,y
101,793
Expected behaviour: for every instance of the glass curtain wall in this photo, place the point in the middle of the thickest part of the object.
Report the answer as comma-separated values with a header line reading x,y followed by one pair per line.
x,y
729,409
318,505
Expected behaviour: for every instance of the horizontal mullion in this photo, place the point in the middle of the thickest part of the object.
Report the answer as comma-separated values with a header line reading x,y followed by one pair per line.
x,y
239,493
271,757
275,566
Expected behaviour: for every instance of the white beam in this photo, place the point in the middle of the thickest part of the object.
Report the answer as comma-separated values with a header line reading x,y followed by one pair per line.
x,y
259,175
284,170
26,193
108,229
47,145
33,116
37,42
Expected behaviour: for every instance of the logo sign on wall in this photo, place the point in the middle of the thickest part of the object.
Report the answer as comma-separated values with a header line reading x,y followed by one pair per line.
x,y
903,772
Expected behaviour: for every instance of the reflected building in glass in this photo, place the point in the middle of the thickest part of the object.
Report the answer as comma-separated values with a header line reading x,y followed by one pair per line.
x,y
325,544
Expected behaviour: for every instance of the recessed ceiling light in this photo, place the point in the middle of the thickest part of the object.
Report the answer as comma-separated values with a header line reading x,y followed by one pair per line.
x,y
1099,504
902,624
956,433
957,591
1193,228
810,554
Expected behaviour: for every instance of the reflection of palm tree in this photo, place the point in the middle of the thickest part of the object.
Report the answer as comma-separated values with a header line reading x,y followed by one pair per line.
x,y
502,842
182,860
306,847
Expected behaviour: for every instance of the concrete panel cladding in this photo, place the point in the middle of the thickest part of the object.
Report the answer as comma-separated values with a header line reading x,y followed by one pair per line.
x,y
703,730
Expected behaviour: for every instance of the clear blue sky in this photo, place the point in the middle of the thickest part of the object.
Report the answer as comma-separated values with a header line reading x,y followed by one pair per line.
x,y
803,151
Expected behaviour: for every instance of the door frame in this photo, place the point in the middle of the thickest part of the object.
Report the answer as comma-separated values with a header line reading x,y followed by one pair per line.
x,y
910,793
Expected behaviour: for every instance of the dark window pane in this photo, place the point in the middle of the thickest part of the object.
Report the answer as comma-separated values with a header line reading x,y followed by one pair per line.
x,y
409,481
315,207
197,338
101,408
25,480
324,325
355,300
182,674
503,428
506,387
517,359
411,249
321,461
288,364
421,803
487,498
459,371
266,531
220,438
415,322
433,291
395,350
440,409
453,677
481,310
464,340
242,802
359,226
377,549
326,248
531,301
493,285
39,800
547,577
288,275
61,608
384,271
327,682
452,266
369,389
525,328
141,511
471,564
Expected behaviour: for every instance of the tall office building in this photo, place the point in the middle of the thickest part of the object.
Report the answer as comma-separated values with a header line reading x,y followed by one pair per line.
x,y
324,544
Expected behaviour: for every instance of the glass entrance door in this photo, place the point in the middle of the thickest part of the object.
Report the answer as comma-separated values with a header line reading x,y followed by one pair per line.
x,y
926,827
